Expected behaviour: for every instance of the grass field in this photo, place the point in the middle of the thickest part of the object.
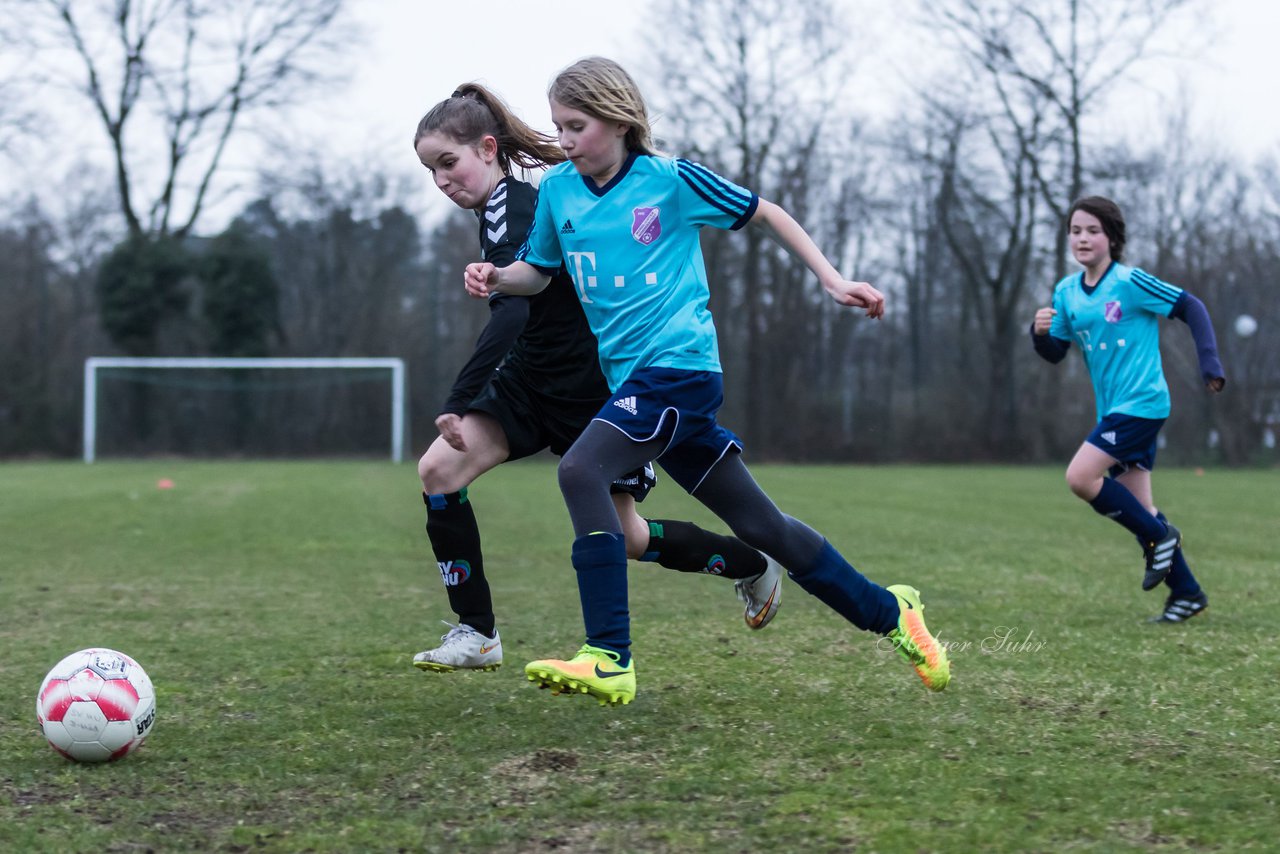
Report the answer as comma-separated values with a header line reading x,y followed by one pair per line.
x,y
277,607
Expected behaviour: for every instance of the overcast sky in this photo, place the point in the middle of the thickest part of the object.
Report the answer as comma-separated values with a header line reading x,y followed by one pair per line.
x,y
416,51
419,50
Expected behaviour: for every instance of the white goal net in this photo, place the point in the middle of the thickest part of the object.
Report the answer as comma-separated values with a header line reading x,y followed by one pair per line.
x,y
207,406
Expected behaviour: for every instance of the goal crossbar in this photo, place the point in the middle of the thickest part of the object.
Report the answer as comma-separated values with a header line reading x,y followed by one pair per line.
x,y
94,363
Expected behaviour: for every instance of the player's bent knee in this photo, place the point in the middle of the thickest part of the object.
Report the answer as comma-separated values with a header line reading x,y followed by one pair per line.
x,y
429,468
572,475
1083,486
439,476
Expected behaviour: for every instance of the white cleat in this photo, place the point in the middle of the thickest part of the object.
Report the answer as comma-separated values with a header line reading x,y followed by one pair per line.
x,y
762,594
462,648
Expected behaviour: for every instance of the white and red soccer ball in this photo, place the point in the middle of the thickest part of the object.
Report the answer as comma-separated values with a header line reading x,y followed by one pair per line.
x,y
96,705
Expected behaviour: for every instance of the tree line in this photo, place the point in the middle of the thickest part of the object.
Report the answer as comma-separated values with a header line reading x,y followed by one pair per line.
x,y
954,208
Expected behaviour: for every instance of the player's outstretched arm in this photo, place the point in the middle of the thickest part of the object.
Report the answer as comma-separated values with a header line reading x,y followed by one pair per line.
x,y
787,233
1192,311
482,278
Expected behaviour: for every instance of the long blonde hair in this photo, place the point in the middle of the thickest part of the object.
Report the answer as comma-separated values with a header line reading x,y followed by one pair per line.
x,y
602,88
472,112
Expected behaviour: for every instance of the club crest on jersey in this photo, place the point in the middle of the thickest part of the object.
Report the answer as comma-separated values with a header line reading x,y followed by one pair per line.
x,y
454,572
1112,312
645,225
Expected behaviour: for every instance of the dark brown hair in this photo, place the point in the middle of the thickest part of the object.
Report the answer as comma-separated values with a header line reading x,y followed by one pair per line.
x,y
472,112
1108,213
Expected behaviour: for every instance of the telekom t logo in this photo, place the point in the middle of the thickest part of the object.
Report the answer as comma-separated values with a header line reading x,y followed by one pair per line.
x,y
581,265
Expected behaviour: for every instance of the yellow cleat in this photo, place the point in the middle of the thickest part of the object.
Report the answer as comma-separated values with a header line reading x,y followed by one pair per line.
x,y
593,671
915,644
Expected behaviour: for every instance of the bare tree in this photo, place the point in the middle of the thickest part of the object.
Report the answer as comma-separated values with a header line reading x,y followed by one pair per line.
x,y
14,122
170,82
47,327
1013,110
922,159
749,91
15,119
989,218
1050,65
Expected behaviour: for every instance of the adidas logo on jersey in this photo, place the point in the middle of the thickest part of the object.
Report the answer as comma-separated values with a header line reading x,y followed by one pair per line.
x,y
627,403
1110,437
567,228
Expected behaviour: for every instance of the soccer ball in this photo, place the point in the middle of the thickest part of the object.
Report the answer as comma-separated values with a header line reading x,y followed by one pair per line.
x,y
96,705
1246,325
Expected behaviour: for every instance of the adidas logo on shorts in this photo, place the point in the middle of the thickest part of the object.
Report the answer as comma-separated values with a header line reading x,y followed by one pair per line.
x,y
1110,437
627,403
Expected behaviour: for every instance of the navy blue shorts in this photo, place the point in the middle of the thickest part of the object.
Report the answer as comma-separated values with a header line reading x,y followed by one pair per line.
x,y
680,407
1131,441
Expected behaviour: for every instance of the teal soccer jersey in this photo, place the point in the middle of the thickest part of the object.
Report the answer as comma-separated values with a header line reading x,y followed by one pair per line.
x,y
632,250
1116,326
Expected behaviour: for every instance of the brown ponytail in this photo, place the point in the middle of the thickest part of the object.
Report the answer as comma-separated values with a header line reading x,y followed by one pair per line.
x,y
473,112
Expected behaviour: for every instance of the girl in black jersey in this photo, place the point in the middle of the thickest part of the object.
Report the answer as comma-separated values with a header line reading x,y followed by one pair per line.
x,y
533,382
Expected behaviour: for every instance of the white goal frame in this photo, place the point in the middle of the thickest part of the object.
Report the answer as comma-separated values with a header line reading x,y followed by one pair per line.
x,y
94,363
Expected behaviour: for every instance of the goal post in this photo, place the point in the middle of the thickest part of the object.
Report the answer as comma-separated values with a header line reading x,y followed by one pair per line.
x,y
94,364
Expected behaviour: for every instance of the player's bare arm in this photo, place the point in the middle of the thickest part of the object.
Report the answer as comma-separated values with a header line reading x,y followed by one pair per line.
x,y
787,233
518,278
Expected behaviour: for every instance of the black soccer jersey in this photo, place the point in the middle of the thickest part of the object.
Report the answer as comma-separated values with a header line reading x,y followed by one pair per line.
x,y
544,338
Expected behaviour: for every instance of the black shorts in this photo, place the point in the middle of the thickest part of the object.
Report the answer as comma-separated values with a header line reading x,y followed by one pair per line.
x,y
534,422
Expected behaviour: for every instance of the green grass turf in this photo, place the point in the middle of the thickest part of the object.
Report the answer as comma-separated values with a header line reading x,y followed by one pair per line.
x,y
276,606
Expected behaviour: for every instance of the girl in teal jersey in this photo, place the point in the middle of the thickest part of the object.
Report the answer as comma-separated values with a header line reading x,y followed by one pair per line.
x,y
625,220
532,383
1112,312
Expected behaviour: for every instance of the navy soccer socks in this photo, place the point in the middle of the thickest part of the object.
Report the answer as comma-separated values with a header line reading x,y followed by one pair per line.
x,y
848,592
1119,504
600,561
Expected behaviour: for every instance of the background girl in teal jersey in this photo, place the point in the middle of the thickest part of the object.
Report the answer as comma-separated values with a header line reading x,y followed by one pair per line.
x,y
1112,312
626,222
532,383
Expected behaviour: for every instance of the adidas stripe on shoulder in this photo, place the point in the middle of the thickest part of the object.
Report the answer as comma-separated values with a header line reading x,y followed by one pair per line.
x,y
713,189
